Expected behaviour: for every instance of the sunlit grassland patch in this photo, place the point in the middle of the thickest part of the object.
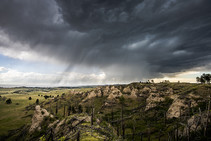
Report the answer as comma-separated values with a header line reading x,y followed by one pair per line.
x,y
14,115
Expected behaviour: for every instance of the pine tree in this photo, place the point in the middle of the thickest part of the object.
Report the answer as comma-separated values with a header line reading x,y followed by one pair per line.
x,y
69,110
122,102
80,110
73,110
9,101
37,101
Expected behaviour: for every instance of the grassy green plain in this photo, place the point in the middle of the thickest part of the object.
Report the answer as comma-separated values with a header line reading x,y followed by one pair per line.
x,y
15,115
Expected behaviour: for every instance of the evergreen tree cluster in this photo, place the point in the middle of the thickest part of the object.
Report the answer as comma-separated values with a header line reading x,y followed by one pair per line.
x,y
204,78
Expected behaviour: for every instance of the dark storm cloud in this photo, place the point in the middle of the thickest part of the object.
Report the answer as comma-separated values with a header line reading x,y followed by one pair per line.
x,y
127,39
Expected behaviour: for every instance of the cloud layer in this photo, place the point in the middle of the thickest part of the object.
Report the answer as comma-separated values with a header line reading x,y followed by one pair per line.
x,y
128,40
19,78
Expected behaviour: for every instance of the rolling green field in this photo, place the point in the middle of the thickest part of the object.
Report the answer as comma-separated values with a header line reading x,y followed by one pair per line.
x,y
15,115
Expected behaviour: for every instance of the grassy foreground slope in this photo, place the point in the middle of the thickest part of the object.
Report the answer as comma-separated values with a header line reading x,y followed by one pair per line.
x,y
137,111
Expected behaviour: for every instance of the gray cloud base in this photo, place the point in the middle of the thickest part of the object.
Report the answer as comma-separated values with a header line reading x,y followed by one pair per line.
x,y
128,40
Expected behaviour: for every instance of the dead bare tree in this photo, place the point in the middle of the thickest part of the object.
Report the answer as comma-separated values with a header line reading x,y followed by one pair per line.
x,y
134,130
50,138
165,118
69,110
198,120
78,136
208,113
64,111
177,130
141,136
117,130
92,116
188,132
149,133
56,108
189,109
169,137
51,108
122,102
180,114
112,116
159,137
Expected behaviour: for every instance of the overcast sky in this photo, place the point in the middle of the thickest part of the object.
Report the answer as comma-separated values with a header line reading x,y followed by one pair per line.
x,y
85,42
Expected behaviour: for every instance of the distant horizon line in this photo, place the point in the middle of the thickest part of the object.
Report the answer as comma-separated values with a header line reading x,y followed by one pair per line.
x,y
76,86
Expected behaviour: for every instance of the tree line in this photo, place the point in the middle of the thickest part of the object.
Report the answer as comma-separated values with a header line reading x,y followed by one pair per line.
x,y
204,78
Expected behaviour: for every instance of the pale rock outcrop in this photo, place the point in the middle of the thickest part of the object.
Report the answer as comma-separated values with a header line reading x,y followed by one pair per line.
x,y
98,92
191,95
114,93
87,119
114,90
85,94
153,89
152,99
170,91
112,96
52,124
80,120
127,90
133,94
193,103
145,90
38,117
174,109
107,104
59,126
195,123
106,91
111,92
91,95
174,96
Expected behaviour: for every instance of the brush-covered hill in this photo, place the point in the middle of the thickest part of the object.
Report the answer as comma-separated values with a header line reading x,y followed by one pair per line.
x,y
137,111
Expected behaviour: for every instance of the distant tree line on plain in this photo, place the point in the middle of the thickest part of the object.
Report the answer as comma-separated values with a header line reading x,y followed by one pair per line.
x,y
46,96
204,78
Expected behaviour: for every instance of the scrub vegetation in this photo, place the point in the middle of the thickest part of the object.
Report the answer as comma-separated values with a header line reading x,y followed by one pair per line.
x,y
137,111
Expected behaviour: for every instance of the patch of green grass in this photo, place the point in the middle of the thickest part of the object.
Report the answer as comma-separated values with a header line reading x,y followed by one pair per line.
x,y
13,116
91,136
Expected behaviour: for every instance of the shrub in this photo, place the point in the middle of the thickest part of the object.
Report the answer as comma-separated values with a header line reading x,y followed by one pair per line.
x,y
42,138
62,139
37,101
46,96
9,101
42,112
30,98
